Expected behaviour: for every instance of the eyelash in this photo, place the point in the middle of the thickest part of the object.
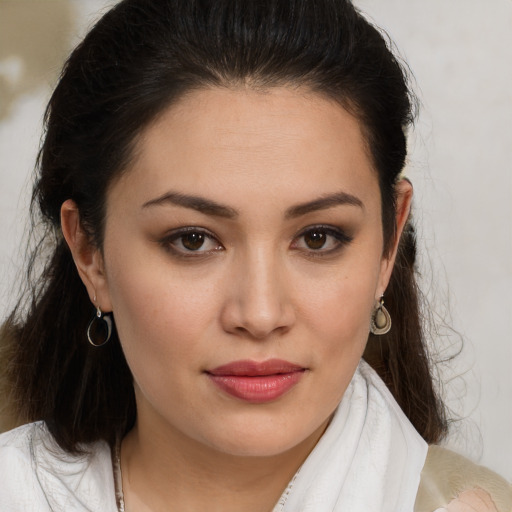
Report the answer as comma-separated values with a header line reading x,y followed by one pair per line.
x,y
341,239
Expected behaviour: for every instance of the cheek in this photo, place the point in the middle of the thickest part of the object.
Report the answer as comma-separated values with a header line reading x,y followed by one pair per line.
x,y
336,320
337,308
343,302
157,310
161,322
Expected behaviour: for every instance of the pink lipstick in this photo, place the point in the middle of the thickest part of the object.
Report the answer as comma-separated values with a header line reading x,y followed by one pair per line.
x,y
257,382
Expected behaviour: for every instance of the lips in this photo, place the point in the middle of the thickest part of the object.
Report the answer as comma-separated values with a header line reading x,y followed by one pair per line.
x,y
257,382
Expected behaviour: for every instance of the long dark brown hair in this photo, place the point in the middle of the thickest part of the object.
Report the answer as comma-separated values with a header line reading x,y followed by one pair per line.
x,y
139,59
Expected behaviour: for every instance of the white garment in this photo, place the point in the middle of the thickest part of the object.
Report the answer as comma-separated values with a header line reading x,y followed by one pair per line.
x,y
36,475
369,458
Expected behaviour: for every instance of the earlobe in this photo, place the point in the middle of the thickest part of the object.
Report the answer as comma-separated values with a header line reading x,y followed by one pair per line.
x,y
87,257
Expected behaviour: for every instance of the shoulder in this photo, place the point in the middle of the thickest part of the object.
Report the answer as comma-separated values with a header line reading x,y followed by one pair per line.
x,y
453,483
37,475
20,489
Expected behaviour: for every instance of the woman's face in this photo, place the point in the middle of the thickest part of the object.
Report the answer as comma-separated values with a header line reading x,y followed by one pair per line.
x,y
242,261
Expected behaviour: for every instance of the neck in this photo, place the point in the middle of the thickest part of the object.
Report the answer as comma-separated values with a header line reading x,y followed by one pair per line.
x,y
169,471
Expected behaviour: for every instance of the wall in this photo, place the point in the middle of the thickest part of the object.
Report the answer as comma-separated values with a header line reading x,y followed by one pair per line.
x,y
461,55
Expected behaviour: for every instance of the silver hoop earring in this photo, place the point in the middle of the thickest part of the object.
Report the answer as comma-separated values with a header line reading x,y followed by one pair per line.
x,y
381,319
99,328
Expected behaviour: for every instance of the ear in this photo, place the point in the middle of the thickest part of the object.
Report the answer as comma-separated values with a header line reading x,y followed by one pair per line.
x,y
404,193
87,257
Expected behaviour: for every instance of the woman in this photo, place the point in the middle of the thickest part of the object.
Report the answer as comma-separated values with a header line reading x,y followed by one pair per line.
x,y
228,317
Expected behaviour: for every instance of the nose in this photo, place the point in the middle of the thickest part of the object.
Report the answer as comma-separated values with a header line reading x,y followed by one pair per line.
x,y
258,303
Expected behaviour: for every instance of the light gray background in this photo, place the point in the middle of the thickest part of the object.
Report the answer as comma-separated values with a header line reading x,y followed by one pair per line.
x,y
460,52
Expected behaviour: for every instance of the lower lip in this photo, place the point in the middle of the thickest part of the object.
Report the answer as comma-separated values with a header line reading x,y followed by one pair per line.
x,y
258,389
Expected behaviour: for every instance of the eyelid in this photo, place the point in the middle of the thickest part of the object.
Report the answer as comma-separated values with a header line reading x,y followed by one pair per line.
x,y
328,228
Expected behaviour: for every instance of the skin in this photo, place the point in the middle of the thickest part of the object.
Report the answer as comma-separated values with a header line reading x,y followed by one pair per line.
x,y
258,288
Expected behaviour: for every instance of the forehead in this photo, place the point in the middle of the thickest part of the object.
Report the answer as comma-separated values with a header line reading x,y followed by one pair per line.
x,y
282,141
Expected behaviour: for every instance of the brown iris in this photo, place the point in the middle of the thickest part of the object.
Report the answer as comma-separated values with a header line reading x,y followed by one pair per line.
x,y
315,239
193,241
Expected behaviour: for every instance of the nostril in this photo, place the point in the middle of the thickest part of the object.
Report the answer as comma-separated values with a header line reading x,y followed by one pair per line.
x,y
264,328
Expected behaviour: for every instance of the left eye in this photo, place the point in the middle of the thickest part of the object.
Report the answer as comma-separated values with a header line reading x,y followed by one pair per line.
x,y
321,239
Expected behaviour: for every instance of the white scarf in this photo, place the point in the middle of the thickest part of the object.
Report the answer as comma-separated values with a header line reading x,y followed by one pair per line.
x,y
368,460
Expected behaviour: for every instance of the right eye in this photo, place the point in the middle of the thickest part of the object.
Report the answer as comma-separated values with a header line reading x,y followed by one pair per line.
x,y
192,242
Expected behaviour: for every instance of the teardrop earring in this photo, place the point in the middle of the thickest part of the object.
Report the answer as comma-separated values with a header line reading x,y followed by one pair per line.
x,y
99,329
381,319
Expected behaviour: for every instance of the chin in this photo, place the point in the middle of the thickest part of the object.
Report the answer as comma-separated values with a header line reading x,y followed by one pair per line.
x,y
266,440
255,447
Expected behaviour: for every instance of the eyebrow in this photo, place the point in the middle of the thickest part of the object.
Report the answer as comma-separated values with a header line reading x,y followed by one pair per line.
x,y
201,204
323,203
209,207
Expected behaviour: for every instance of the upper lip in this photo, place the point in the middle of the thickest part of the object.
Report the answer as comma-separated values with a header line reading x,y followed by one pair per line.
x,y
248,368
